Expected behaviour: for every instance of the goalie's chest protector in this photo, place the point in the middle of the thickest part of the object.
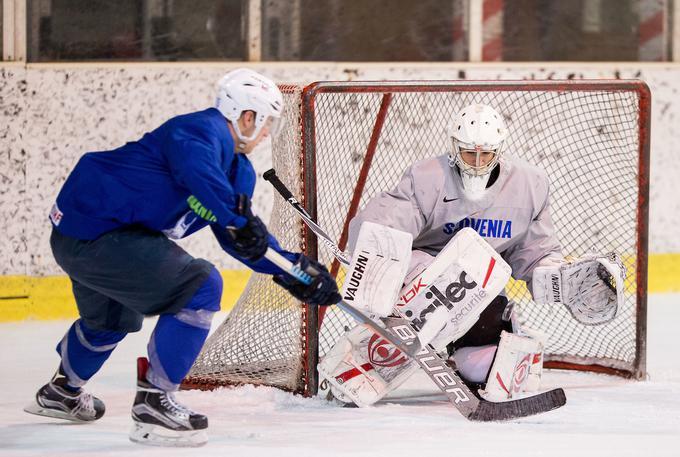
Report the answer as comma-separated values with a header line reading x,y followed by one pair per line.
x,y
502,216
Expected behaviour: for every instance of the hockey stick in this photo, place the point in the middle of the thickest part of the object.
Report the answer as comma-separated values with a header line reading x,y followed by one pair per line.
x,y
270,175
436,319
459,394
409,347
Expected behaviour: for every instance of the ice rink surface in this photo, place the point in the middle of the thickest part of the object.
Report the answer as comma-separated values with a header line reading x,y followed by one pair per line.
x,y
604,415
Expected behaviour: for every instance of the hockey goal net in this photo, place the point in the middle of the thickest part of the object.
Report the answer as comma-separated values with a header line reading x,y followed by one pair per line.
x,y
346,141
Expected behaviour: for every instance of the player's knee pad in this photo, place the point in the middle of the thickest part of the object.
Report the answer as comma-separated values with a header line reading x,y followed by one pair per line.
x,y
84,350
362,368
204,304
474,362
178,338
208,296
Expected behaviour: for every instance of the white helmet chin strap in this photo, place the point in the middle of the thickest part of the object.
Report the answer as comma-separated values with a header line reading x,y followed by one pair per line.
x,y
241,140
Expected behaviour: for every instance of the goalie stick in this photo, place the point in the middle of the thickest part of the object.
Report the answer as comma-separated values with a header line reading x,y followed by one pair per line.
x,y
410,346
468,403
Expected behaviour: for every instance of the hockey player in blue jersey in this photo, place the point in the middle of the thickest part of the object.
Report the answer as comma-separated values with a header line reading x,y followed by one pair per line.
x,y
112,224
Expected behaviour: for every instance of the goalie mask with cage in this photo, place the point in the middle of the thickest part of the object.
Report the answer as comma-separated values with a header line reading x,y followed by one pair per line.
x,y
477,131
246,90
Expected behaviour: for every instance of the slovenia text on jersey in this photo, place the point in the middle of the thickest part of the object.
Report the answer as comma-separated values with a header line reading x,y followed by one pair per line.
x,y
488,228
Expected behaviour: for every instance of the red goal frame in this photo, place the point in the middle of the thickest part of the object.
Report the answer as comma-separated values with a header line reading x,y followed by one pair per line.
x,y
313,320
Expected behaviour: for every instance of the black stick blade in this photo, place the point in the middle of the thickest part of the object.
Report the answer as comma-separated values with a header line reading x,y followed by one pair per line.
x,y
523,407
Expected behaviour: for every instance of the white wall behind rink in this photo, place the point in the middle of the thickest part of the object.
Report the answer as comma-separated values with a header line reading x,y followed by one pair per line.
x,y
52,114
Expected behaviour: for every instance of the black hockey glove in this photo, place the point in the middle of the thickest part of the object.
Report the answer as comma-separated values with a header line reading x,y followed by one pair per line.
x,y
252,240
322,291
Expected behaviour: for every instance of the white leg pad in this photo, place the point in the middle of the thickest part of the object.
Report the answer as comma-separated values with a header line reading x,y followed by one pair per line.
x,y
517,368
362,368
464,278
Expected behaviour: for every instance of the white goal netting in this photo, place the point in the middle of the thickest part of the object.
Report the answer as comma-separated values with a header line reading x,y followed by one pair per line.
x,y
345,142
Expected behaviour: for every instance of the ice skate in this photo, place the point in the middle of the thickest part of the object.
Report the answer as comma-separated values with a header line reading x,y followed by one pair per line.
x,y
54,400
159,420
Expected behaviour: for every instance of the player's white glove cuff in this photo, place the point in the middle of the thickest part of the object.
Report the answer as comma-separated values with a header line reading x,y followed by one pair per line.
x,y
590,287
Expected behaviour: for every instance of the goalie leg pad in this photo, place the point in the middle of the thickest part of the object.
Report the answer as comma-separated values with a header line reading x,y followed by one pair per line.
x,y
517,368
465,277
420,260
362,368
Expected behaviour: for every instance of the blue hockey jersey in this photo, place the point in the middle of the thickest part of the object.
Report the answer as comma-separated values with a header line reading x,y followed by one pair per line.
x,y
177,179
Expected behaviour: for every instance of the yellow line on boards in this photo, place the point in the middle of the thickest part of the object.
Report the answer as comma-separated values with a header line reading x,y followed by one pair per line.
x,y
50,297
663,273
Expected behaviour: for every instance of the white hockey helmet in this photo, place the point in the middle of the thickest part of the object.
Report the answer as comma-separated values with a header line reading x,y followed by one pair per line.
x,y
246,90
476,128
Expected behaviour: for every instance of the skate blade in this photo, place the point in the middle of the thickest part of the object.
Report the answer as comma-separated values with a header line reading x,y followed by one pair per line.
x,y
155,435
35,408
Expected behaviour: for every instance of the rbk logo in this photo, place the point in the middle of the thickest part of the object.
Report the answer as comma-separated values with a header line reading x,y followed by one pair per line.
x,y
412,292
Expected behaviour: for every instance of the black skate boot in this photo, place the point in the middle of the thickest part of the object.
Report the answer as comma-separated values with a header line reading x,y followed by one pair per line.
x,y
159,420
54,400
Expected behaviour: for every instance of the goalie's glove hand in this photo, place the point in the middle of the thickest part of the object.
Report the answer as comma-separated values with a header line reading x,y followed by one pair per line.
x,y
590,287
323,289
252,240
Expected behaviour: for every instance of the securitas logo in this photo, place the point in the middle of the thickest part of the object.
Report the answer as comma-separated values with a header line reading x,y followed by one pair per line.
x,y
453,293
488,228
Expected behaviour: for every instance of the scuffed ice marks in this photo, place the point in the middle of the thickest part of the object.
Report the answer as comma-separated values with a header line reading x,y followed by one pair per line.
x,y
251,400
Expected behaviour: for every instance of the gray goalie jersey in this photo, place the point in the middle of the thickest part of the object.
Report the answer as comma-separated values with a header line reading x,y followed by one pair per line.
x,y
429,202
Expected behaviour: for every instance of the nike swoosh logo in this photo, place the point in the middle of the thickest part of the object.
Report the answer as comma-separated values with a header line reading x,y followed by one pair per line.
x,y
446,200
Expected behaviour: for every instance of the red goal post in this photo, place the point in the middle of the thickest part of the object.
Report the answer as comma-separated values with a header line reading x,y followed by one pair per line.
x,y
343,142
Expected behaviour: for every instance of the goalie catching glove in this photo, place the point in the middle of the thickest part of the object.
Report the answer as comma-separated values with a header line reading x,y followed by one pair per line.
x,y
321,291
590,287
